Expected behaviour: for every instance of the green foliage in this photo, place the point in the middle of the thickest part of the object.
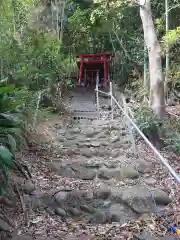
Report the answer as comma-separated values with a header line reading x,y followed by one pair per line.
x,y
172,135
108,26
172,36
163,134
6,157
172,40
149,124
6,162
11,130
172,143
31,59
32,55
41,61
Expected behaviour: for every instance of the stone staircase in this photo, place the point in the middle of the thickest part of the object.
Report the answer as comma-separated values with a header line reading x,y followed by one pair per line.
x,y
83,103
120,187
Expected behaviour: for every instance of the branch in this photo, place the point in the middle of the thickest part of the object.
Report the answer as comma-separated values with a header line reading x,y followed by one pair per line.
x,y
120,42
176,6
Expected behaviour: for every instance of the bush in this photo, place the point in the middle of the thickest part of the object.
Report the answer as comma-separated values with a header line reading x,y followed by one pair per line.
x,y
151,126
172,138
12,130
6,162
172,143
163,134
41,61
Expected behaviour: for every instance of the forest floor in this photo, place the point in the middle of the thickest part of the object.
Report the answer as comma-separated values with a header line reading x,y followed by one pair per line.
x,y
88,184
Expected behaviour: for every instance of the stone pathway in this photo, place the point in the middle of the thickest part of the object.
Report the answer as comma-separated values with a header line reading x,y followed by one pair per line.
x,y
83,104
119,188
83,100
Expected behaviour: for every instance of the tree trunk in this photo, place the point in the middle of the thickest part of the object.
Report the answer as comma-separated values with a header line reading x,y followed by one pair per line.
x,y
157,101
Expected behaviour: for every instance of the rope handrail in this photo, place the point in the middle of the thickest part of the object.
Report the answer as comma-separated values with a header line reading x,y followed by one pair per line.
x,y
108,94
166,164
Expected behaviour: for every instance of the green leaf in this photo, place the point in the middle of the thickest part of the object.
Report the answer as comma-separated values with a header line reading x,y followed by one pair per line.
x,y
8,120
12,143
7,89
6,157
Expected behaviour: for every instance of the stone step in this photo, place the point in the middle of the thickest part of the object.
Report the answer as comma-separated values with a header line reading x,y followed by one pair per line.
x,y
85,115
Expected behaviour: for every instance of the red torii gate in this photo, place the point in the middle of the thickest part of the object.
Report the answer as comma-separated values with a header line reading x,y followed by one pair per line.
x,y
94,62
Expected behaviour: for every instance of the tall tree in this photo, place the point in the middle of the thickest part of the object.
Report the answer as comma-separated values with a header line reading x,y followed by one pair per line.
x,y
157,100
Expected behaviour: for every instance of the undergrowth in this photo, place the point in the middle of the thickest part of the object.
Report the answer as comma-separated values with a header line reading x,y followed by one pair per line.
x,y
163,133
13,118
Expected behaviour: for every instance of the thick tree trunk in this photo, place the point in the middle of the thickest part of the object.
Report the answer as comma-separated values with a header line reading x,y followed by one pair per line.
x,y
157,100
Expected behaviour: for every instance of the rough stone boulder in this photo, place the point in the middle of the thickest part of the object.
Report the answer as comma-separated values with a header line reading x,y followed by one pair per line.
x,y
140,198
143,166
103,192
62,169
28,187
118,173
98,217
73,131
103,152
61,197
38,200
121,213
87,152
90,132
85,173
93,163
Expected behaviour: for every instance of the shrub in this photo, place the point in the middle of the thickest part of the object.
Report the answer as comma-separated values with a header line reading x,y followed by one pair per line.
x,y
12,130
151,126
162,133
172,143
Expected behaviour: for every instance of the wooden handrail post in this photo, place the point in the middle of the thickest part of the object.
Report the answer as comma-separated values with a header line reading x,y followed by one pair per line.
x,y
111,95
97,92
129,126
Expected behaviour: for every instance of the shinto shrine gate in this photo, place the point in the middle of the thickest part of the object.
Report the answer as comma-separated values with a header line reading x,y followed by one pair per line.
x,y
90,64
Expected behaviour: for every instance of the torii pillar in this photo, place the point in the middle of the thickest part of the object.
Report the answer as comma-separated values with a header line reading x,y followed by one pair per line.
x,y
80,72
